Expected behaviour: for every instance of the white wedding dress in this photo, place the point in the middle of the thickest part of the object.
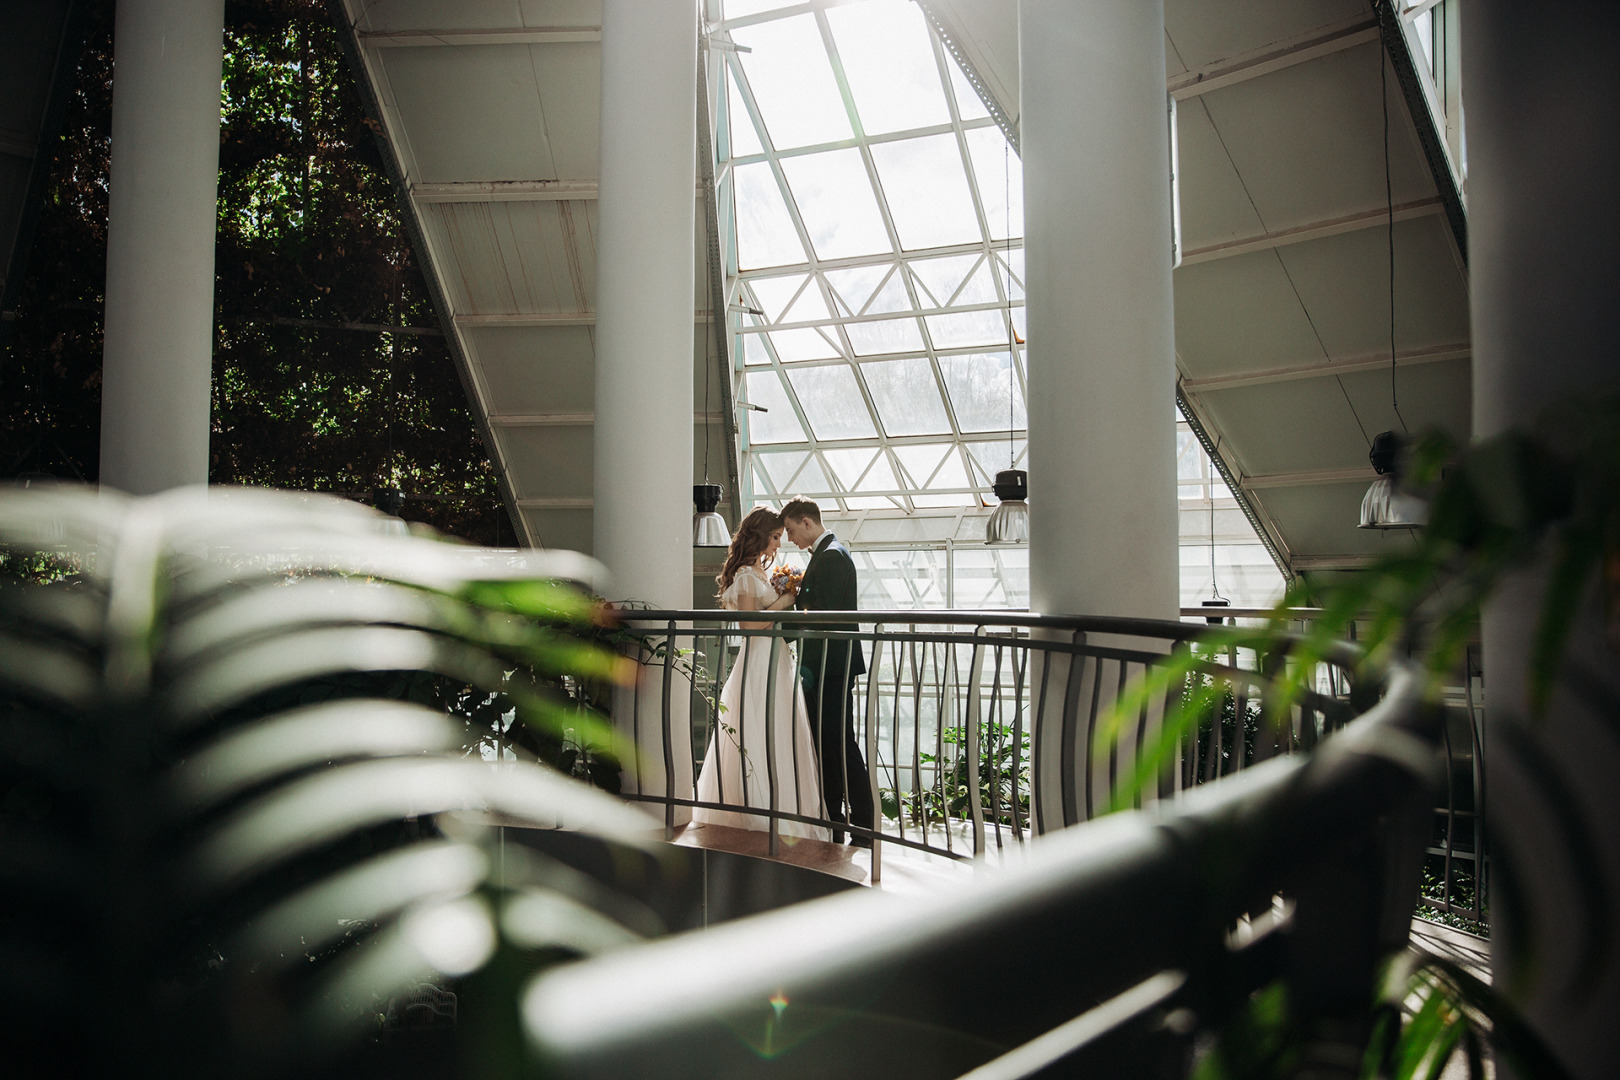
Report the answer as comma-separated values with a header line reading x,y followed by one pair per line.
x,y
737,767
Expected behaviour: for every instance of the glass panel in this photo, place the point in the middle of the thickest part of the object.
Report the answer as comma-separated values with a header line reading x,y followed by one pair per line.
x,y
889,62
980,288
927,191
780,468
853,287
1013,282
836,204
772,295
809,307
979,386
880,477
892,297
919,462
907,397
792,82
969,106
962,329
902,580
765,232
942,277
754,349
736,8
832,402
793,346
1000,174
934,501
811,480
952,473
990,577
762,481
779,424
991,457
848,465
744,140
885,336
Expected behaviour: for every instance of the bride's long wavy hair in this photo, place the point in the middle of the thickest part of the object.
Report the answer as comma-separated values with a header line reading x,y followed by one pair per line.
x,y
753,537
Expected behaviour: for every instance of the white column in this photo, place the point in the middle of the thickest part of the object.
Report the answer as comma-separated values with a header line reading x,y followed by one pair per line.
x,y
644,297
158,348
1093,121
1542,237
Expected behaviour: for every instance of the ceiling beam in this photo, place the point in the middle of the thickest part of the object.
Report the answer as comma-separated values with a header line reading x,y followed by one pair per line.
x,y
542,318
557,503
1318,230
505,191
1318,369
1273,57
1333,562
574,419
514,35
1310,478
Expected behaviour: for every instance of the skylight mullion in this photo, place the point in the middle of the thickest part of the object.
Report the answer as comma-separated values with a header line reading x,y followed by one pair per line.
x,y
940,63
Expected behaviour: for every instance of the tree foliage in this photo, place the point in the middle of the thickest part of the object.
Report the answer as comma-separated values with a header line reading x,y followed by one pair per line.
x,y
312,258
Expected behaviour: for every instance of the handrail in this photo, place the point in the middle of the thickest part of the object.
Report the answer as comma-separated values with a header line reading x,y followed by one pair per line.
x,y
960,759
1327,846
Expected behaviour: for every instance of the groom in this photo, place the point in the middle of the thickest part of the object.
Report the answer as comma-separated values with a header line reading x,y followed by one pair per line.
x,y
827,670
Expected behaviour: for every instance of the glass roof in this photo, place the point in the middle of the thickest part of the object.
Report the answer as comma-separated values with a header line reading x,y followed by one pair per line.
x,y
875,260
873,222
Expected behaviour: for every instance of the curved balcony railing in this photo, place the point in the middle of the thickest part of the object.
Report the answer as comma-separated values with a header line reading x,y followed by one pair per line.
x,y
980,728
1116,949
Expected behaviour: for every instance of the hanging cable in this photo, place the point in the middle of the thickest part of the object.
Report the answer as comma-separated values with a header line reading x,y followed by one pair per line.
x,y
1389,202
1006,260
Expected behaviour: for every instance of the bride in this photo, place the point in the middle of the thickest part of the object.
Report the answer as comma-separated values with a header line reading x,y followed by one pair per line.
x,y
738,764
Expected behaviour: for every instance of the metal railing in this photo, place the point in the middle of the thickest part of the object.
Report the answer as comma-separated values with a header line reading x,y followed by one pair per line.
x,y
1117,949
978,727
1456,870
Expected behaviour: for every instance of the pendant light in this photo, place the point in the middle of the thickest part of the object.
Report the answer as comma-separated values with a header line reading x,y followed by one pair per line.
x,y
1386,506
708,527
1009,523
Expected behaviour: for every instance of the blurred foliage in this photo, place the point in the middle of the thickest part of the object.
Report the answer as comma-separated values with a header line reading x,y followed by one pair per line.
x,y
311,252
248,824
1429,1014
1003,778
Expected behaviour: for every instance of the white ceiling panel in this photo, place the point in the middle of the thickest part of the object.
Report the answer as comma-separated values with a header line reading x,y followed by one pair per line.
x,y
1240,314
479,14
1214,206
551,461
471,112
506,257
1323,520
534,370
1201,32
1431,395
1308,140
1289,427
563,529
1344,282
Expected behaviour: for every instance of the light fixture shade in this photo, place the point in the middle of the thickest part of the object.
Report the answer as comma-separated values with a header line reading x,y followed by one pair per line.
x,y
708,527
1387,507
1009,524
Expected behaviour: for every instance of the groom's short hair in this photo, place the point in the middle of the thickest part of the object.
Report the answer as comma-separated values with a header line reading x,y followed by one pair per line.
x,y
799,507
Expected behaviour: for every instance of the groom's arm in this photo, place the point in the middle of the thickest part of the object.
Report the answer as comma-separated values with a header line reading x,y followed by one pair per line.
x,y
835,583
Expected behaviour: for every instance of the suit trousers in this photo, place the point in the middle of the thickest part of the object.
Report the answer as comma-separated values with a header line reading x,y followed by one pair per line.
x,y
829,698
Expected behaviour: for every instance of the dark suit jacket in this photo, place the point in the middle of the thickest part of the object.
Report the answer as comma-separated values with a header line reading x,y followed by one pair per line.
x,y
829,585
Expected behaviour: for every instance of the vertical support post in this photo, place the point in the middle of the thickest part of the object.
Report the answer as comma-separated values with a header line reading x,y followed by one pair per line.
x,y
1543,231
1101,325
158,344
1102,376
644,290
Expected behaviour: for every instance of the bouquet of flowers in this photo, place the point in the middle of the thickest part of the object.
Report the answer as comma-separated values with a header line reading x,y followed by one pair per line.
x,y
785,578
